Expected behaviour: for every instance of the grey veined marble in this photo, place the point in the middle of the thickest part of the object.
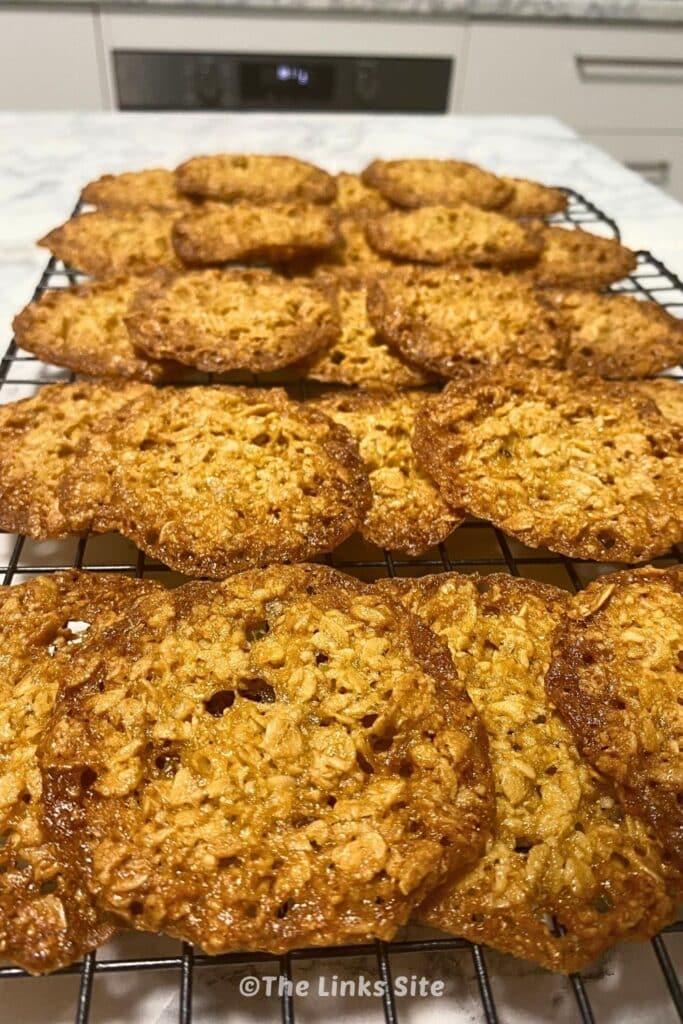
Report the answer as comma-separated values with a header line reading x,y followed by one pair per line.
x,y
592,10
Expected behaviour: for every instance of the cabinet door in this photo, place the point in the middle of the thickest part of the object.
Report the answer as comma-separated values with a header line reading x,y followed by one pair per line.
x,y
48,60
595,78
659,158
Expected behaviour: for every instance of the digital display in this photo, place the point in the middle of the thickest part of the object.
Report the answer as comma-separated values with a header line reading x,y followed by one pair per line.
x,y
286,81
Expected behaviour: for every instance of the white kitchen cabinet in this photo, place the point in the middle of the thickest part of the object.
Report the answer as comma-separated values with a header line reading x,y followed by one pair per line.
x,y
597,78
659,158
49,60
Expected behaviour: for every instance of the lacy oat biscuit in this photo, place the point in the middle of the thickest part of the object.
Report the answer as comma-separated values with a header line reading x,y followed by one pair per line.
x,y
427,182
446,320
356,199
212,480
83,328
153,188
586,467
47,915
617,336
407,512
616,679
359,356
258,781
244,232
262,180
106,243
574,258
461,234
566,873
39,438
220,320
667,394
531,199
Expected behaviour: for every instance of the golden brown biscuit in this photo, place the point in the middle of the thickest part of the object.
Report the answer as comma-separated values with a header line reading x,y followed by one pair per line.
x,y
447,319
220,320
359,357
154,188
257,179
47,916
461,234
356,199
531,199
212,480
562,853
616,679
578,259
585,467
39,437
617,335
436,183
241,797
106,243
83,329
667,394
407,513
247,233
351,253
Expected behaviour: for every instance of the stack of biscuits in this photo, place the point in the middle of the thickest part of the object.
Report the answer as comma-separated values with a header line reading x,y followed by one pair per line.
x,y
277,755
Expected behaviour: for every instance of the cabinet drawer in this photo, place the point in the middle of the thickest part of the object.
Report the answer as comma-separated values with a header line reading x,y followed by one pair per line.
x,y
48,60
659,158
595,78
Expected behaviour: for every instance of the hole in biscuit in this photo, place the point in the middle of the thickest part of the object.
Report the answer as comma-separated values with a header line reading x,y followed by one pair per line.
x,y
136,908
380,744
331,800
282,910
257,689
167,763
405,769
219,702
88,777
26,798
320,658
48,887
257,631
367,721
261,439
603,903
522,846
363,763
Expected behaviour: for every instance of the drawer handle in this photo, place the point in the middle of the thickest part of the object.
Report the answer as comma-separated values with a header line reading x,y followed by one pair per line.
x,y
629,69
656,171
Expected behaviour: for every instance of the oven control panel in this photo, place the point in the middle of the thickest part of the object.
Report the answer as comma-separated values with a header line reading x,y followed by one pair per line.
x,y
159,80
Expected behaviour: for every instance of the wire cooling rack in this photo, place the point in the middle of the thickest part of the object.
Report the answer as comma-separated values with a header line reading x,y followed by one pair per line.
x,y
485,976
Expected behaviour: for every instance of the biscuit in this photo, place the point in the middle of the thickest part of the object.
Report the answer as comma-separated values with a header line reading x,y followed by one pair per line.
x,y
221,320
531,199
585,467
667,394
566,873
359,356
356,199
241,797
47,916
39,438
244,232
83,329
212,480
617,335
616,679
460,234
106,243
351,253
414,183
578,259
446,319
407,513
257,179
154,188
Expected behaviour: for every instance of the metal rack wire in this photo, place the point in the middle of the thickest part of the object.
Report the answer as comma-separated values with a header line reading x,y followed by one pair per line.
x,y
475,546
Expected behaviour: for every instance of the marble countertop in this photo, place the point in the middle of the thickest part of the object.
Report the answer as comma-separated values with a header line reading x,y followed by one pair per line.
x,y
666,11
46,158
